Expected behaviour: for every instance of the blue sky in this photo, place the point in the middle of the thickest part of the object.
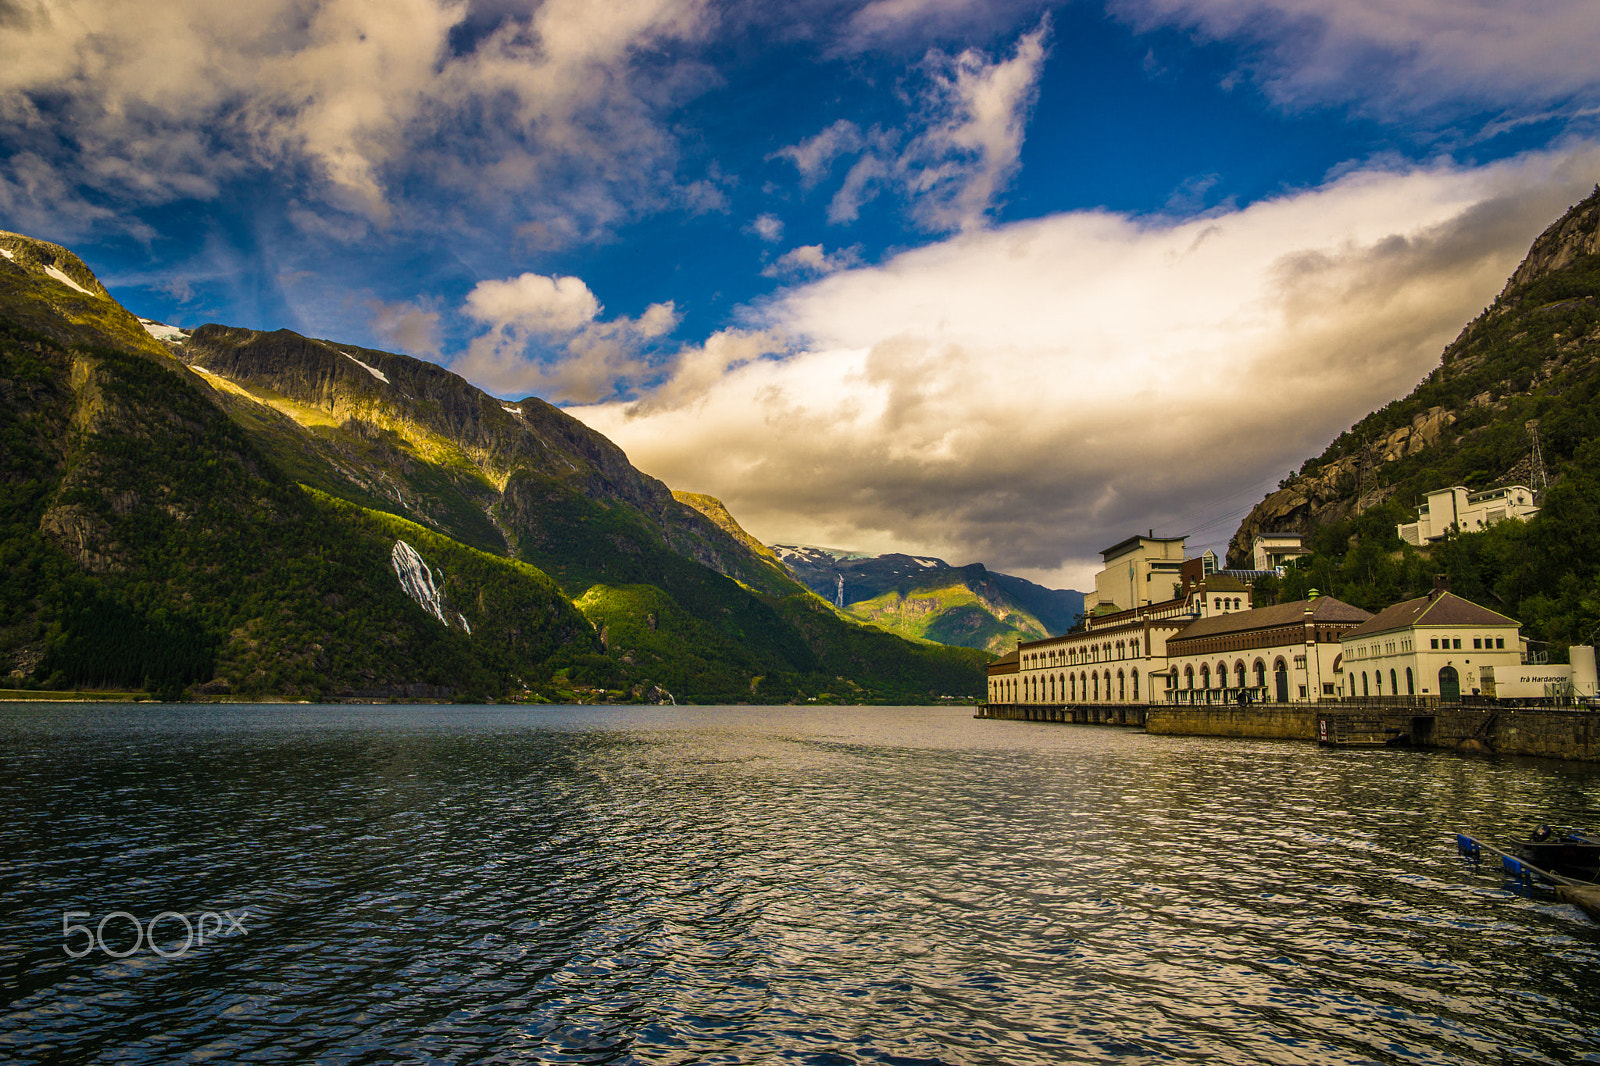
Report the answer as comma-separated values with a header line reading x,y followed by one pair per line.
x,y
995,281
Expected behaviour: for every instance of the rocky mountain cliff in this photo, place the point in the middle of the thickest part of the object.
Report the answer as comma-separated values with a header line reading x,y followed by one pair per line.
x,y
303,517
927,598
1532,359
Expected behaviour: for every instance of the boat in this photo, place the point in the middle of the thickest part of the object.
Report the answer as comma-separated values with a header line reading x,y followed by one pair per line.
x,y
1569,854
1568,862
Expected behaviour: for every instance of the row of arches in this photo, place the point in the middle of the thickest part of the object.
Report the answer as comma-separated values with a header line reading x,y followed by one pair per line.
x,y
1221,680
1084,686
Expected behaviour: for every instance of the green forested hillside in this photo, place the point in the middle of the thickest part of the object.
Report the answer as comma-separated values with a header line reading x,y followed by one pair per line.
x,y
1530,361
230,532
146,542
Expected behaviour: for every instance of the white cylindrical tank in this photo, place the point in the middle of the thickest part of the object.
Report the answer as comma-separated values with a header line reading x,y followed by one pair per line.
x,y
1584,680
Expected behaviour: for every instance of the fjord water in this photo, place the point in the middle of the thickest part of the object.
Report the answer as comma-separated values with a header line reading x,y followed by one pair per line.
x,y
820,885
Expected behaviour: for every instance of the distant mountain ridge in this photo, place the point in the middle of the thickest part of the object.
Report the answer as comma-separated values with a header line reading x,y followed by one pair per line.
x,y
927,598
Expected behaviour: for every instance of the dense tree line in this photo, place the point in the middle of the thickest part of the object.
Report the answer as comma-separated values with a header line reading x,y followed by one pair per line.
x,y
1544,572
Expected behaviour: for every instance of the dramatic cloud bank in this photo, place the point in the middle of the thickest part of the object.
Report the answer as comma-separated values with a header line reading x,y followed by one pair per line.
x,y
165,101
1029,394
1409,55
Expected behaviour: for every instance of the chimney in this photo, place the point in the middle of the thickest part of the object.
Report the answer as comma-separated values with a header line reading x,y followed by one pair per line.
x,y
1441,585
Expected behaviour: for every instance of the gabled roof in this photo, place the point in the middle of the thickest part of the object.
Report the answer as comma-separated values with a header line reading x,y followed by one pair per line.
x,y
1323,609
1009,663
1438,609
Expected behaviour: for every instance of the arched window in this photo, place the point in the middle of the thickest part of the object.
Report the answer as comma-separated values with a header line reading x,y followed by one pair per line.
x,y
1377,682
1072,685
1261,675
1205,676
1097,688
1052,690
1122,686
1394,684
1238,673
1411,684
1188,676
1364,690
1136,685
1222,675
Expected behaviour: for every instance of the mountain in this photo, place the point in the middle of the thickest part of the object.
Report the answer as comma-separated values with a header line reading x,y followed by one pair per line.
x,y
928,599
1514,400
316,519
1532,355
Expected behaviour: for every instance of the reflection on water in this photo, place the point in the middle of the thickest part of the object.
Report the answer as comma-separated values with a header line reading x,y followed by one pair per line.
x,y
896,885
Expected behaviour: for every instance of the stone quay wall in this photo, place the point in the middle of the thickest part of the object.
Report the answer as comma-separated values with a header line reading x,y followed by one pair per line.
x,y
1491,729
1265,721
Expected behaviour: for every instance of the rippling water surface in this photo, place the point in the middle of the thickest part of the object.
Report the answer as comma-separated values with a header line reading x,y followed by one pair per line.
x,y
895,885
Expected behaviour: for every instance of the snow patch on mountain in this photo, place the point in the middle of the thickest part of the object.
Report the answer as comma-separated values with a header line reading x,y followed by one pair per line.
x,y
161,331
57,273
416,580
7,252
374,371
512,410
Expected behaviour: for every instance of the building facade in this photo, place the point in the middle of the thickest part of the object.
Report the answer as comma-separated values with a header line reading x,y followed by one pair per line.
x,y
1457,508
1286,653
1121,650
1437,645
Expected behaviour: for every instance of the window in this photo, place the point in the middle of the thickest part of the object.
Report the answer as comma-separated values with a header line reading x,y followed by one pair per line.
x,y
1477,643
1299,662
1457,643
1499,642
1302,692
1327,688
1435,643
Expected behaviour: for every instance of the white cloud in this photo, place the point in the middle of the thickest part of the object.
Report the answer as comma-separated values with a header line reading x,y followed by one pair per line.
x,y
1403,56
814,156
887,22
957,167
1019,395
768,227
534,302
811,259
965,141
546,338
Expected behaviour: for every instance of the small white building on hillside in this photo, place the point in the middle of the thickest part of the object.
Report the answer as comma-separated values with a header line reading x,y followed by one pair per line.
x,y
1272,551
1465,511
